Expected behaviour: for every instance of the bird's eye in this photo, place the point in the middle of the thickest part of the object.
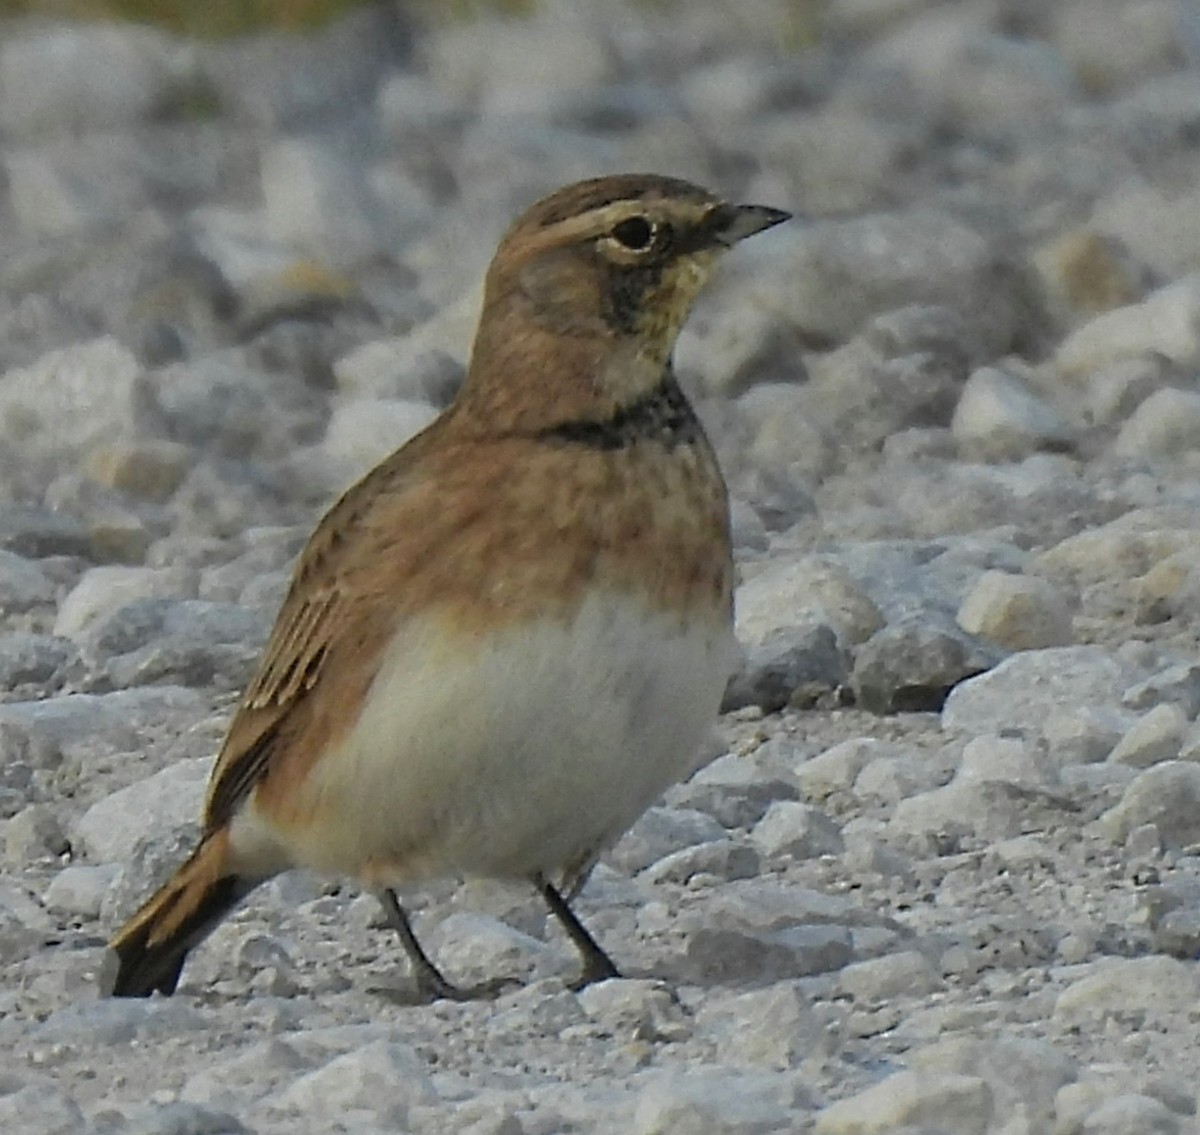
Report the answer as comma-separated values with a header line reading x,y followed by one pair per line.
x,y
635,234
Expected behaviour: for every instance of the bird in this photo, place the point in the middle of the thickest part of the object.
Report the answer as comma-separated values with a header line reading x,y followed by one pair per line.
x,y
506,640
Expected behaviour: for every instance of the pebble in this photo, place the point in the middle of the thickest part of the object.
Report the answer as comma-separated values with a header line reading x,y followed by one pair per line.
x,y
912,664
1166,795
1166,424
1155,736
377,1083
998,418
795,666
791,830
1156,986
102,591
79,889
41,1109
1017,612
33,833
947,1102
660,831
699,1103
165,802
1026,688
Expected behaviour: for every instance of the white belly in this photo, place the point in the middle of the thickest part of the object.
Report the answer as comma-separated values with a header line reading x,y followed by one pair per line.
x,y
525,754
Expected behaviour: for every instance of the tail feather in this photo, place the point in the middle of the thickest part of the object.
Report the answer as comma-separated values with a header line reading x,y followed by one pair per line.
x,y
147,953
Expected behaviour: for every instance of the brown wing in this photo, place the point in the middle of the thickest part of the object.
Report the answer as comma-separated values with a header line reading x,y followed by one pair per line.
x,y
293,660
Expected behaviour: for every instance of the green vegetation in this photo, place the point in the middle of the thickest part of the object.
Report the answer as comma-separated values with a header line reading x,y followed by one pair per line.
x,y
210,19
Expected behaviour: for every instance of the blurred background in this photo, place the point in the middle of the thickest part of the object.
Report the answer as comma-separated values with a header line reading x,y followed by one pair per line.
x,y
258,228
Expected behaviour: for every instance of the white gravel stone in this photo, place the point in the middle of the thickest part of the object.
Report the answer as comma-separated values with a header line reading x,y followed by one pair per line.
x,y
1024,689
103,590
697,1102
796,831
1155,736
905,974
379,1083
74,398
79,889
1165,323
164,802
41,1109
1019,612
1165,425
1084,734
1155,985
962,1104
837,768
1009,759
1132,1115
658,833
998,418
775,1027
632,1007
482,947
791,593
23,584
1166,795
363,431
81,76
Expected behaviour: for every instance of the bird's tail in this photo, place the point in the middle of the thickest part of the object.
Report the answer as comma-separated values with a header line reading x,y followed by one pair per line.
x,y
147,953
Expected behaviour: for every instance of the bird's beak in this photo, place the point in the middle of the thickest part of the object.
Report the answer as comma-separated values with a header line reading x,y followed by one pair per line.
x,y
736,222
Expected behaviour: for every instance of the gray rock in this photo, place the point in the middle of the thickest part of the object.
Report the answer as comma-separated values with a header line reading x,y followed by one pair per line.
x,y
23,585
82,76
736,791
363,431
479,947
794,666
119,1021
806,591
1166,795
181,1118
102,591
41,1109
793,830
1177,685
961,1104
73,399
775,1027
79,890
38,533
719,859
1177,934
408,369
1026,688
728,956
1166,424
165,802
187,642
1084,734
710,1102
660,831
907,973
844,272
1017,612
1155,986
837,768
968,810
998,418
1013,760
633,1008
379,1082
1132,1115
33,833
34,659
1163,324
912,664
1153,737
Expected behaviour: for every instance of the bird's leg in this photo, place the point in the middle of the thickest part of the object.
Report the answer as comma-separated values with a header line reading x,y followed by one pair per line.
x,y
430,981
597,965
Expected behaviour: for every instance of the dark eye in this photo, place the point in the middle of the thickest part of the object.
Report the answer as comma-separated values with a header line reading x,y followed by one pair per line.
x,y
636,234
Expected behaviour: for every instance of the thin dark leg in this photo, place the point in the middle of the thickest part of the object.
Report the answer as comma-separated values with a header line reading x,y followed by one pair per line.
x,y
429,979
597,965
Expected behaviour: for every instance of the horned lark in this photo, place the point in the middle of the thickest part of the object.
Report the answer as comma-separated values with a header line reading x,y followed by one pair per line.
x,y
509,637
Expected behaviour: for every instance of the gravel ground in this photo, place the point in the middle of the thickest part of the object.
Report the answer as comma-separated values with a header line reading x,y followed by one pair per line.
x,y
943,874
